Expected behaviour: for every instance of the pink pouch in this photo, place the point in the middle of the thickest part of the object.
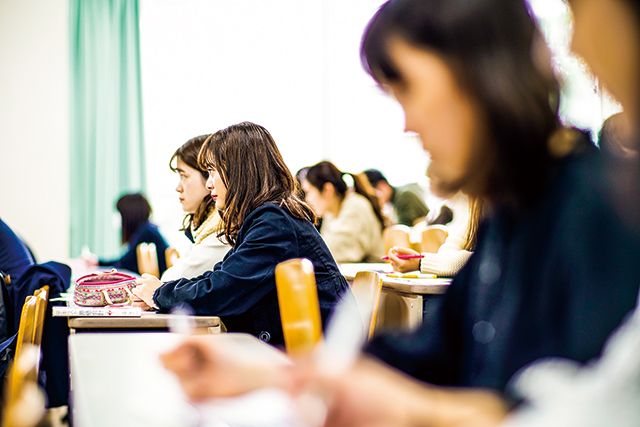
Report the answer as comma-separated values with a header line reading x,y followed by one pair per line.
x,y
103,288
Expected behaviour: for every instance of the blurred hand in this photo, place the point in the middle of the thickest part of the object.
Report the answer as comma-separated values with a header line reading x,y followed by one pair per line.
x,y
373,394
143,292
213,366
403,265
90,259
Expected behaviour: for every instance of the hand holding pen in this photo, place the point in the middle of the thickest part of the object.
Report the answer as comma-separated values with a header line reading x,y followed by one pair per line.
x,y
403,260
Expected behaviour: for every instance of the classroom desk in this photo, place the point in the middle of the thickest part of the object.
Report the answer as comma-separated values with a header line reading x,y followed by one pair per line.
x,y
118,380
149,321
403,302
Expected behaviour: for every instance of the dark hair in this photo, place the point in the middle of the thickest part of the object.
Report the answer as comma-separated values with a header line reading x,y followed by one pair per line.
x,y
300,176
498,56
135,211
253,170
188,154
374,176
326,172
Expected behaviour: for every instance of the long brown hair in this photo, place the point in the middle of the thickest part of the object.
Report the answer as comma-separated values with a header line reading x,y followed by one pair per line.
x,y
326,172
476,211
253,170
188,154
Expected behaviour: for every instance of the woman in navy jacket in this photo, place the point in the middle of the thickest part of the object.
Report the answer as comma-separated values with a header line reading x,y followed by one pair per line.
x,y
265,223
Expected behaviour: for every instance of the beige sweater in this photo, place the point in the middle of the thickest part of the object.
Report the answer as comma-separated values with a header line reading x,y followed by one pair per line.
x,y
355,234
202,255
450,258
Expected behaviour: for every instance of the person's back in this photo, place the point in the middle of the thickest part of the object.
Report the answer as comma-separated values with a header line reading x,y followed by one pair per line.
x,y
15,257
355,234
409,205
285,238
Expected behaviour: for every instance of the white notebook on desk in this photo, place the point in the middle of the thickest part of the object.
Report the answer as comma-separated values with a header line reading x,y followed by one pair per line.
x,y
79,311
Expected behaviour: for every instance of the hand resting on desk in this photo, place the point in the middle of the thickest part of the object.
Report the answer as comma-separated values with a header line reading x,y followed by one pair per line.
x,y
143,292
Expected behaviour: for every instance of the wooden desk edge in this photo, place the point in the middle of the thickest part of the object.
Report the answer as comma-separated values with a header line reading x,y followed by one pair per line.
x,y
144,321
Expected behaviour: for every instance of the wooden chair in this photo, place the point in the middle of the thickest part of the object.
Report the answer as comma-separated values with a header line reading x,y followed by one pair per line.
x,y
433,237
23,401
32,320
367,288
171,255
147,259
396,235
21,390
299,306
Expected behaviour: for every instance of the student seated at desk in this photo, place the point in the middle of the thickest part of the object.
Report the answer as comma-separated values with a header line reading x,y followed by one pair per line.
x,y
451,256
265,223
352,221
202,222
404,204
135,212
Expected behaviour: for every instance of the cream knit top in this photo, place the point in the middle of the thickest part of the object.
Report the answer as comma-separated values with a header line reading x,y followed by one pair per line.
x,y
202,255
450,258
355,234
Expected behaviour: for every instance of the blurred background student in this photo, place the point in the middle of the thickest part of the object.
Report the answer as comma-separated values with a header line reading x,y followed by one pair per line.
x,y
202,222
135,212
451,256
352,221
15,256
402,205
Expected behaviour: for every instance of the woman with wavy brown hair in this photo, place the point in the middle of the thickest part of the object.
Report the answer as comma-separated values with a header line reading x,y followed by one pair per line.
x,y
265,223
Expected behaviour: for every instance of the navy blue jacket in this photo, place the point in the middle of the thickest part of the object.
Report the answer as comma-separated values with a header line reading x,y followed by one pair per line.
x,y
146,233
15,257
552,282
241,289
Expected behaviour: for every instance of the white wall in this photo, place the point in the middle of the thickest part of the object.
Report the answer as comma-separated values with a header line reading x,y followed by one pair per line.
x,y
34,123
292,66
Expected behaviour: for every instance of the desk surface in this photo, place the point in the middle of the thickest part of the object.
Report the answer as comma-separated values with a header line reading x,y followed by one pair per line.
x,y
408,286
118,380
147,320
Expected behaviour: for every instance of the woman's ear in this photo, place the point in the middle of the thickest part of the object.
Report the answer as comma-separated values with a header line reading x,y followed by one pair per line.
x,y
328,190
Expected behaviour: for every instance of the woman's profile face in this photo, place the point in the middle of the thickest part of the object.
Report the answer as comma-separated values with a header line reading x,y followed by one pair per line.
x,y
191,187
438,110
217,189
316,198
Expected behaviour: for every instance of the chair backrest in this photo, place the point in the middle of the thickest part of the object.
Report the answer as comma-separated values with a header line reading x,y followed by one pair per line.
x,y
171,255
433,237
32,321
23,402
299,306
366,288
147,259
396,235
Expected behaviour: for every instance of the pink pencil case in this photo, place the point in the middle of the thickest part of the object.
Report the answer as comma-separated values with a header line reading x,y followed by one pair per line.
x,y
104,288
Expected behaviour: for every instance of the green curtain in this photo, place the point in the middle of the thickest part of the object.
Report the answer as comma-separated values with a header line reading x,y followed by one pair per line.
x,y
106,138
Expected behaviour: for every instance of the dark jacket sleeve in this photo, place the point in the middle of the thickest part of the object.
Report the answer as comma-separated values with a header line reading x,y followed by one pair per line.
x,y
432,352
243,278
